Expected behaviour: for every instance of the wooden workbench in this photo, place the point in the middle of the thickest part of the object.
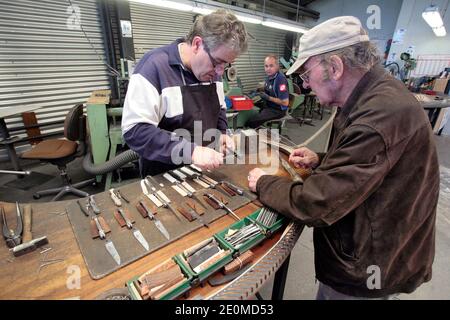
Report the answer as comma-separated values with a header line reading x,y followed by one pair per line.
x,y
22,278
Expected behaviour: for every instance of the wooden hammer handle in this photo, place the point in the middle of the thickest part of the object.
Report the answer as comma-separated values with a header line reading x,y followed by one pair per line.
x,y
27,220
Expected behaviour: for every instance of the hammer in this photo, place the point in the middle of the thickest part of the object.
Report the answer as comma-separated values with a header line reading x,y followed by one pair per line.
x,y
28,243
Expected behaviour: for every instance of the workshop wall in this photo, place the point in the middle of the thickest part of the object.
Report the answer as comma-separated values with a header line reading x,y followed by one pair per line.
x,y
418,35
154,27
366,11
46,59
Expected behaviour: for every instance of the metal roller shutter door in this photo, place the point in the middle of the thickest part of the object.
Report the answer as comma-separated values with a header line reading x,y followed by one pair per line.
x,y
154,27
45,63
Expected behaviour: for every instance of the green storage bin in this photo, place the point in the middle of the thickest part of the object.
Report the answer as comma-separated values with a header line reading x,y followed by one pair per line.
x,y
247,245
269,229
200,277
181,289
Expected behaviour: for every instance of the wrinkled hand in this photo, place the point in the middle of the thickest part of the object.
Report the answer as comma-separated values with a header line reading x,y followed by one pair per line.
x,y
264,95
304,158
206,158
226,144
253,177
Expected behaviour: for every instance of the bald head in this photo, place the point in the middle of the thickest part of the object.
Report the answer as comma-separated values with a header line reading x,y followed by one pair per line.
x,y
271,65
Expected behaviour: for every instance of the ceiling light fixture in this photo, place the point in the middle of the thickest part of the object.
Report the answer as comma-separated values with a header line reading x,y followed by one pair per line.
x,y
243,15
433,17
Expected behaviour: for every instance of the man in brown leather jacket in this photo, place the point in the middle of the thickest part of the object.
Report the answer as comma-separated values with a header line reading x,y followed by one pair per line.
x,y
372,197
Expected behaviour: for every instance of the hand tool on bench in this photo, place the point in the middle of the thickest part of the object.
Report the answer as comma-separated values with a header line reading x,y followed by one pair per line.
x,y
233,187
184,191
115,198
161,197
13,237
121,196
203,180
149,194
222,205
92,207
147,212
23,226
129,224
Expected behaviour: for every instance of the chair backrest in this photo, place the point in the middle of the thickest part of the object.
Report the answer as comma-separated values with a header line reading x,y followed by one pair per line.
x,y
74,124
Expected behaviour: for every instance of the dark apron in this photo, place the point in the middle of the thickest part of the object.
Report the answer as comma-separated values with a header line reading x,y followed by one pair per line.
x,y
200,103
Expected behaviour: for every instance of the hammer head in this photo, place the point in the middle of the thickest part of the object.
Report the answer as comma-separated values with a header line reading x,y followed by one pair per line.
x,y
29,246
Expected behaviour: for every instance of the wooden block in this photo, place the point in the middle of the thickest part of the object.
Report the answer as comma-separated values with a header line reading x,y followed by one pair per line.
x,y
214,205
185,213
196,207
160,267
120,220
103,224
220,196
150,205
239,262
227,189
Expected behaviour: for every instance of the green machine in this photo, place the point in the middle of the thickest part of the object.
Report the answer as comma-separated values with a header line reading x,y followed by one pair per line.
x,y
105,132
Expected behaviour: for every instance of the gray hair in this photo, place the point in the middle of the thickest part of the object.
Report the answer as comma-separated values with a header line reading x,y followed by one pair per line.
x,y
362,56
220,27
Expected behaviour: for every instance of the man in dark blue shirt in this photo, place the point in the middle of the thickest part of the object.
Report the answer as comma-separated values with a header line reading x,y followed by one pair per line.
x,y
175,101
275,95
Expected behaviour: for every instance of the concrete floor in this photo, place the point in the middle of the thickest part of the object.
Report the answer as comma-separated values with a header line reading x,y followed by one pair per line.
x,y
300,284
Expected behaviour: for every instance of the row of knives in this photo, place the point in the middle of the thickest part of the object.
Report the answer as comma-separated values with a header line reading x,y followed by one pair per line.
x,y
152,190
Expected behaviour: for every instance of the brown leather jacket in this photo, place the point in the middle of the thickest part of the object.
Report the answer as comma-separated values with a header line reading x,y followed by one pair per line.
x,y
373,198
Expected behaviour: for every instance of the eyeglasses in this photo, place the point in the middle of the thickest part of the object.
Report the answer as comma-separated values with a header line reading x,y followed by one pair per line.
x,y
218,66
305,75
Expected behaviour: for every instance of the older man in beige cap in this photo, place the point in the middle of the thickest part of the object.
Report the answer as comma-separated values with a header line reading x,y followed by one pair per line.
x,y
372,197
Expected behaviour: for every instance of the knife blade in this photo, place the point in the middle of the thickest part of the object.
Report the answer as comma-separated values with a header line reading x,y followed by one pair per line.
x,y
155,220
112,251
139,237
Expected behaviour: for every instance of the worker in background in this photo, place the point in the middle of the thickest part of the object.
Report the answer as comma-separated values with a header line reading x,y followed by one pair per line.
x,y
275,95
372,197
179,86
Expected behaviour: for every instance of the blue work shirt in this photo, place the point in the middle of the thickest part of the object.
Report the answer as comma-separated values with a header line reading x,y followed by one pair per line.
x,y
277,86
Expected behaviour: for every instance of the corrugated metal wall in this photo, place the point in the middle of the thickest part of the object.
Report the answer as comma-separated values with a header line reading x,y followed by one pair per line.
x,y
45,63
154,27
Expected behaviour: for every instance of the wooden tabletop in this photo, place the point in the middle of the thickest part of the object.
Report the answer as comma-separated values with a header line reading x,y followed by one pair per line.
x,y
23,278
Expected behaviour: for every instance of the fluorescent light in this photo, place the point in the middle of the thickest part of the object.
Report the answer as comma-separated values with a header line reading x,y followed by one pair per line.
x,y
432,16
440,31
254,20
166,4
242,14
283,26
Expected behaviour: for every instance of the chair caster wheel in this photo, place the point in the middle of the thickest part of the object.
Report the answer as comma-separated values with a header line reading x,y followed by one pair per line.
x,y
36,196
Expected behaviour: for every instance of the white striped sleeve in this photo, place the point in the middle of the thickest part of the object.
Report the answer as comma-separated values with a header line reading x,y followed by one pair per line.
x,y
142,104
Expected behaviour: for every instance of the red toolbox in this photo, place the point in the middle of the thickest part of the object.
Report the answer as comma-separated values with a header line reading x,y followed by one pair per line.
x,y
241,103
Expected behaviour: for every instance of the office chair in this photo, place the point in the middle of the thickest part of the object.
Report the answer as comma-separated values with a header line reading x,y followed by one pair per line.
x,y
60,152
